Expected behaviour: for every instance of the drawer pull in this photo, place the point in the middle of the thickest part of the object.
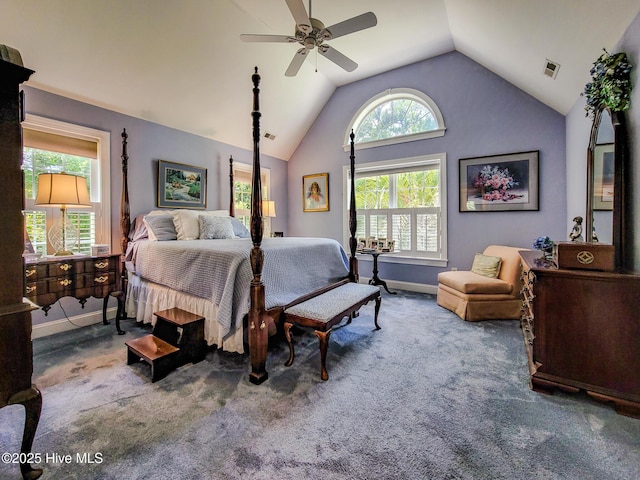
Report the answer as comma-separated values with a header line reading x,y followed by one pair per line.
x,y
30,271
31,289
101,279
66,282
102,264
65,266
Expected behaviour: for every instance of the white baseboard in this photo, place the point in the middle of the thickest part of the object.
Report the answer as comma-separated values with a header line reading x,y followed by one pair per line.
x,y
409,286
66,324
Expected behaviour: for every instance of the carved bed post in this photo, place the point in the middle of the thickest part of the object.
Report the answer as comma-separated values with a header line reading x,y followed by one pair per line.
x,y
353,222
125,226
232,211
258,331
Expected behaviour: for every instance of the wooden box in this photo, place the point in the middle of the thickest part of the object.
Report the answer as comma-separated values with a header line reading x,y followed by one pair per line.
x,y
584,256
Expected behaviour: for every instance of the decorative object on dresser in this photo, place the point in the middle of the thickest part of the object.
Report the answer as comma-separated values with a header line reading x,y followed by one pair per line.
x,y
581,332
584,256
79,276
16,354
62,190
477,296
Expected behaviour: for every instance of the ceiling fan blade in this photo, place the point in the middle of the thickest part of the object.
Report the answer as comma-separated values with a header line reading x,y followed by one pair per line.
x,y
267,38
296,63
338,58
299,15
355,24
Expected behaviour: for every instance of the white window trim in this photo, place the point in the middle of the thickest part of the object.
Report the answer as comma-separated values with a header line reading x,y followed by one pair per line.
x,y
387,96
440,158
266,189
100,170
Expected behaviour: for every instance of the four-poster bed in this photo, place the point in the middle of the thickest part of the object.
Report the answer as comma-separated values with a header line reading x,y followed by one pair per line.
x,y
218,277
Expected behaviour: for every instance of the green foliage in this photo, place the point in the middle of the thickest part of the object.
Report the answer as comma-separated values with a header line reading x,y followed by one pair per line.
x,y
610,83
412,190
395,118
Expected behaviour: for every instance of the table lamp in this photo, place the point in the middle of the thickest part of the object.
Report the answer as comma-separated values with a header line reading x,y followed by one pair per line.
x,y
61,190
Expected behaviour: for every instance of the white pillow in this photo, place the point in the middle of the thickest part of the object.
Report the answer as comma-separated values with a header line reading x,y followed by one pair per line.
x,y
187,225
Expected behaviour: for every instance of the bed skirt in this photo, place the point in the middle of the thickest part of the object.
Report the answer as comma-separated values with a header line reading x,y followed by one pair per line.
x,y
144,298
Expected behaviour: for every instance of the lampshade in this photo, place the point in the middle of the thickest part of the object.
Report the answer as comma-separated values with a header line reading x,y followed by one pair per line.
x,y
268,208
61,189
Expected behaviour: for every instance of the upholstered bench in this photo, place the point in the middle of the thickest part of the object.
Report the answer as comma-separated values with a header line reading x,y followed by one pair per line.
x,y
321,312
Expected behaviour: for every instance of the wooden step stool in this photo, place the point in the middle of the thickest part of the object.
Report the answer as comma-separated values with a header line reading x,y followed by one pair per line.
x,y
156,352
177,338
184,330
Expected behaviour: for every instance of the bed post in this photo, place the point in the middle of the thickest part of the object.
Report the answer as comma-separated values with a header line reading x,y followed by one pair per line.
x,y
125,227
353,222
258,331
232,212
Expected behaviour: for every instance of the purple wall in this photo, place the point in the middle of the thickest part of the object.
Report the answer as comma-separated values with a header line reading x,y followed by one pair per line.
x,y
484,115
147,143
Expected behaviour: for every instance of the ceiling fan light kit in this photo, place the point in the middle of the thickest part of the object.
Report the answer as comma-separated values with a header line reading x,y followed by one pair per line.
x,y
311,33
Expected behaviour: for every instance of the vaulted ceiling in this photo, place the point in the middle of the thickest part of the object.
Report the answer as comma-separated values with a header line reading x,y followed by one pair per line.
x,y
180,63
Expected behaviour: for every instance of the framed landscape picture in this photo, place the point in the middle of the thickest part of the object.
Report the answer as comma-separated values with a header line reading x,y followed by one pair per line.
x,y
499,182
315,192
181,186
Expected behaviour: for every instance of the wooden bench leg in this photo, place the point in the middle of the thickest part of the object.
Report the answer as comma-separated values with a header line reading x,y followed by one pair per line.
x,y
377,309
324,342
287,334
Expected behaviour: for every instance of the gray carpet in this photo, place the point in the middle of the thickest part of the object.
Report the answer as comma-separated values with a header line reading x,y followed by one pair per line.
x,y
427,397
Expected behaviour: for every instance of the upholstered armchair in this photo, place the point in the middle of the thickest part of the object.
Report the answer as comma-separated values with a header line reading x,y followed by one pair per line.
x,y
489,291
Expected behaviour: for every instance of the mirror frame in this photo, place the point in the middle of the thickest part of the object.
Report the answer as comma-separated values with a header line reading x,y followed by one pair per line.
x,y
621,197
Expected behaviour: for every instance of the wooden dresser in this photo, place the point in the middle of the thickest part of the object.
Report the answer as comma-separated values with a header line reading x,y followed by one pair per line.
x,y
582,332
81,276
16,355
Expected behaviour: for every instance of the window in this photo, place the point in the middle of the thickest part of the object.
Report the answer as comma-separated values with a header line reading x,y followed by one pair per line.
x,y
395,116
51,146
403,200
242,193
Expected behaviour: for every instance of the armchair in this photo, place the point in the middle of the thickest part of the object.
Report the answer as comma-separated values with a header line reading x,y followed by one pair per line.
x,y
474,297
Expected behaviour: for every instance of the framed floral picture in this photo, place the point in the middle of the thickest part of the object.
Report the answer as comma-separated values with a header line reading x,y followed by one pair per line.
x,y
315,192
499,182
181,186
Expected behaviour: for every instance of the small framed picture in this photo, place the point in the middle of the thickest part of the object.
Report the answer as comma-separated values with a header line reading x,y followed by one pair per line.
x,y
315,192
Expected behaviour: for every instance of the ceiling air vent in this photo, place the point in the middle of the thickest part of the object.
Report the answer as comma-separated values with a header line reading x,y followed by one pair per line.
x,y
551,68
270,136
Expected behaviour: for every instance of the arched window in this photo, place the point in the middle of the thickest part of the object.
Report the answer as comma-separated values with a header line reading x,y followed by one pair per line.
x,y
394,116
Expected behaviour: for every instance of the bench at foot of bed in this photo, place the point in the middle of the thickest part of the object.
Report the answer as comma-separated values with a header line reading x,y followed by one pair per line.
x,y
323,311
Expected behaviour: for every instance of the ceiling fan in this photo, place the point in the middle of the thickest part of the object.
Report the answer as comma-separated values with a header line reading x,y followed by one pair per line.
x,y
311,32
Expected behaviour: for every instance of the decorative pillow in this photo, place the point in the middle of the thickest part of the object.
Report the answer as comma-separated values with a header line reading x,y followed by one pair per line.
x,y
486,265
212,227
160,227
187,225
239,230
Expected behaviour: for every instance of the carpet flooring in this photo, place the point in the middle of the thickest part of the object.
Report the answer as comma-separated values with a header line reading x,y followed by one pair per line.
x,y
426,397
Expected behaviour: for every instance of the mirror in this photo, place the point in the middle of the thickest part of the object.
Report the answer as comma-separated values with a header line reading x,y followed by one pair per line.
x,y
607,159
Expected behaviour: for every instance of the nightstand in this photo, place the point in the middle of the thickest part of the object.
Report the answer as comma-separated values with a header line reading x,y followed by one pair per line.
x,y
81,276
